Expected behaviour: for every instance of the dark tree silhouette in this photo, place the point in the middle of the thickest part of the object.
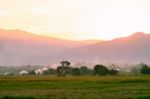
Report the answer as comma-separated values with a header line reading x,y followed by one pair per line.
x,y
145,69
100,70
50,71
85,70
76,71
62,70
32,72
113,72
113,69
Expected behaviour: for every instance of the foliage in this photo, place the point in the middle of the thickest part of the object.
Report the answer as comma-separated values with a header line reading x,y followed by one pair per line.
x,y
85,70
100,70
32,72
113,69
50,71
65,63
62,70
76,71
113,72
145,69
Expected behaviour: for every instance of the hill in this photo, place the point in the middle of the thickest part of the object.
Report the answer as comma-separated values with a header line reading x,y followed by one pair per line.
x,y
131,49
20,47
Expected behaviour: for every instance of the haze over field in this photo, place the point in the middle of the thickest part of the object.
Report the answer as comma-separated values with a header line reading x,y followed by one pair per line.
x,y
46,32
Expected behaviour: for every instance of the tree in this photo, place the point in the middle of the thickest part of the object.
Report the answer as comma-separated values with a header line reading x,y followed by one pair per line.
x,y
32,72
62,70
113,72
145,69
49,71
76,71
113,69
136,69
100,70
85,70
65,63
59,70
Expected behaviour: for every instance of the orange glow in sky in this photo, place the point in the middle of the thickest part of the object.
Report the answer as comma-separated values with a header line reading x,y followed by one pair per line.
x,y
77,19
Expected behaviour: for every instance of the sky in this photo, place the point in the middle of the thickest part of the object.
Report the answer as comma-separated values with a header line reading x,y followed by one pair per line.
x,y
77,19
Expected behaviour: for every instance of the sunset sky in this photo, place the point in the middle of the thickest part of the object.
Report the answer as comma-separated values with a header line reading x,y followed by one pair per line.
x,y
77,19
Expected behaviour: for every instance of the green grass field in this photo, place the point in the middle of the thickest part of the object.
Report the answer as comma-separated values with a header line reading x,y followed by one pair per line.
x,y
82,87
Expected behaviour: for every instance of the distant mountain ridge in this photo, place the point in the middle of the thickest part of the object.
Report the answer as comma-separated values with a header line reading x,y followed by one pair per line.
x,y
22,48
131,49
19,47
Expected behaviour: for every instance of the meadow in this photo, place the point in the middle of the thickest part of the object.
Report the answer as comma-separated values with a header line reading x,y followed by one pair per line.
x,y
75,87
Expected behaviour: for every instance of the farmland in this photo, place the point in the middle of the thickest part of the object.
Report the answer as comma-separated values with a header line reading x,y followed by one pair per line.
x,y
77,87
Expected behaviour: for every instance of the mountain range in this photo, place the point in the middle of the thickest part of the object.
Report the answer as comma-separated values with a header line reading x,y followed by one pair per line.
x,y
131,49
19,47
22,48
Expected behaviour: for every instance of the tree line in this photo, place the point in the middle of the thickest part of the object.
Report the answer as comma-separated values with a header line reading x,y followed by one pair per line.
x,y
65,68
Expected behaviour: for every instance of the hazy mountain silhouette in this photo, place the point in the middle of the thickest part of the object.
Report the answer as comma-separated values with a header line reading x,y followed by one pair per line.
x,y
135,48
20,47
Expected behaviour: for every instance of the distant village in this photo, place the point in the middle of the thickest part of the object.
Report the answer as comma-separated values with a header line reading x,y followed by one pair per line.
x,y
76,69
